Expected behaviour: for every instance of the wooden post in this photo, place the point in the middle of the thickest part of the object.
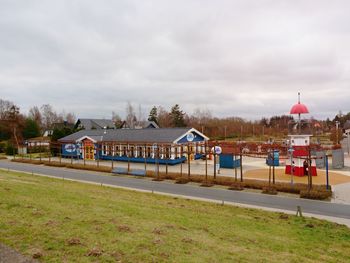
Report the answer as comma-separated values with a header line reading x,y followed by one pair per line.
x,y
273,166
241,165
84,155
327,175
167,153
235,168
189,162
60,153
145,156
181,153
206,163
112,148
299,213
214,163
157,160
128,154
309,170
98,155
269,172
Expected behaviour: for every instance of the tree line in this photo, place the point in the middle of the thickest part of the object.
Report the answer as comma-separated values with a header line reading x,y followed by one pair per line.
x,y
16,127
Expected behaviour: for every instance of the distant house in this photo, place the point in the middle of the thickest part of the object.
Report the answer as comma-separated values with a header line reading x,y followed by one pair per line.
x,y
58,126
94,124
347,127
140,125
38,142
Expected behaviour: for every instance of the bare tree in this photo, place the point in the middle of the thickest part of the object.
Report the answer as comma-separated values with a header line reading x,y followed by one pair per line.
x,y
5,107
49,116
70,117
13,120
130,115
164,118
117,120
35,115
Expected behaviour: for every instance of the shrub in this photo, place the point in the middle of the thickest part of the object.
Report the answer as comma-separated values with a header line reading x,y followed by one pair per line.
x,y
271,190
182,180
237,186
21,160
315,194
10,149
2,147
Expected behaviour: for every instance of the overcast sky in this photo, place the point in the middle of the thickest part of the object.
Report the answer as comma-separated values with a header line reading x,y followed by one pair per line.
x,y
235,58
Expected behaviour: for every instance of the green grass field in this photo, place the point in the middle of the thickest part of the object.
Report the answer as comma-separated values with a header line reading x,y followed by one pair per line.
x,y
63,221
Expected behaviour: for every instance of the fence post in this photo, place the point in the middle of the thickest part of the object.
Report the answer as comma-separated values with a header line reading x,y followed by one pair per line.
x,y
145,155
241,166
327,178
181,154
128,155
214,163
189,162
273,166
310,170
206,164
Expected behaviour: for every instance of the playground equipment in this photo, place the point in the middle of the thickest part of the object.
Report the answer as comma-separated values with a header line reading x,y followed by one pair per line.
x,y
299,133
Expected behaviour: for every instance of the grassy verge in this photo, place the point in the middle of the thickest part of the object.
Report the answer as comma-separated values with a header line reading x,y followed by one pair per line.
x,y
62,221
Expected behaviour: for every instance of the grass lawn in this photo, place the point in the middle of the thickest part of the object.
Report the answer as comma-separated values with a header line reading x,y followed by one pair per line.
x,y
62,221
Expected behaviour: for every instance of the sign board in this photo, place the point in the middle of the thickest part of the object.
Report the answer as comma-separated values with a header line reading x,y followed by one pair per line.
x,y
190,137
70,148
216,150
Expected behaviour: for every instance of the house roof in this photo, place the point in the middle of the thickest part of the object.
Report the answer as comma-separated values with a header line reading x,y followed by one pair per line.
x,y
347,125
39,139
161,135
89,124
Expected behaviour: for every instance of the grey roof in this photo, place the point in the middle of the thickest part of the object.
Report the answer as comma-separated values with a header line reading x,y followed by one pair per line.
x,y
151,124
89,124
162,135
347,125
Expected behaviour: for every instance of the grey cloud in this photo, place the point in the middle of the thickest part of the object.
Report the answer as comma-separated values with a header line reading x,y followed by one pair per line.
x,y
242,58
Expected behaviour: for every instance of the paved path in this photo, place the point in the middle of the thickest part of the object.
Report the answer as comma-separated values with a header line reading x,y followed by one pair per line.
x,y
9,255
247,198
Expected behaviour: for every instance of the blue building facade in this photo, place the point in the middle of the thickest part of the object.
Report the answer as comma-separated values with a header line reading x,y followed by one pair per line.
x,y
164,146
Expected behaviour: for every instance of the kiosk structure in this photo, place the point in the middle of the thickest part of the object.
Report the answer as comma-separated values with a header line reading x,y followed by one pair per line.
x,y
300,133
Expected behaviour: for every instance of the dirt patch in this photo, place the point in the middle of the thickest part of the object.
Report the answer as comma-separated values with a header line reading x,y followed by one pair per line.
x,y
73,241
94,252
334,178
124,228
187,240
158,231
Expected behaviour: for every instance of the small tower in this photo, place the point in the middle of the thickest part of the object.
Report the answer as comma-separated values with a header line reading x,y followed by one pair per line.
x,y
299,133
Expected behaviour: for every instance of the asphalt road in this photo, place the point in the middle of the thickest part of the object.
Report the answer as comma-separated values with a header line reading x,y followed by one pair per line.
x,y
255,199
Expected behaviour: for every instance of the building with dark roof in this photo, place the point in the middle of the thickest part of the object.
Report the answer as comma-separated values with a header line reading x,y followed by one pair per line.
x,y
167,145
92,124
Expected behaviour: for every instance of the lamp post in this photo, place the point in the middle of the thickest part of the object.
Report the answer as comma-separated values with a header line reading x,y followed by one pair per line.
x,y
155,148
291,150
336,130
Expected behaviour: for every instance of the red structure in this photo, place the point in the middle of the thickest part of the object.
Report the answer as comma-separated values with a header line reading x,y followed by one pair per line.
x,y
299,143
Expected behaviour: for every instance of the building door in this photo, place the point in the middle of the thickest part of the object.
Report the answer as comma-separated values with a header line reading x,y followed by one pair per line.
x,y
89,153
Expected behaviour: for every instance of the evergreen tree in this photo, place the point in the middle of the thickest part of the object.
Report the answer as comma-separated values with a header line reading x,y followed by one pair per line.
x,y
31,129
177,116
153,115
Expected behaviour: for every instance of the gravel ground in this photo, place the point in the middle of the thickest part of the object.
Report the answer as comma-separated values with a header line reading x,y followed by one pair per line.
x,y
8,255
